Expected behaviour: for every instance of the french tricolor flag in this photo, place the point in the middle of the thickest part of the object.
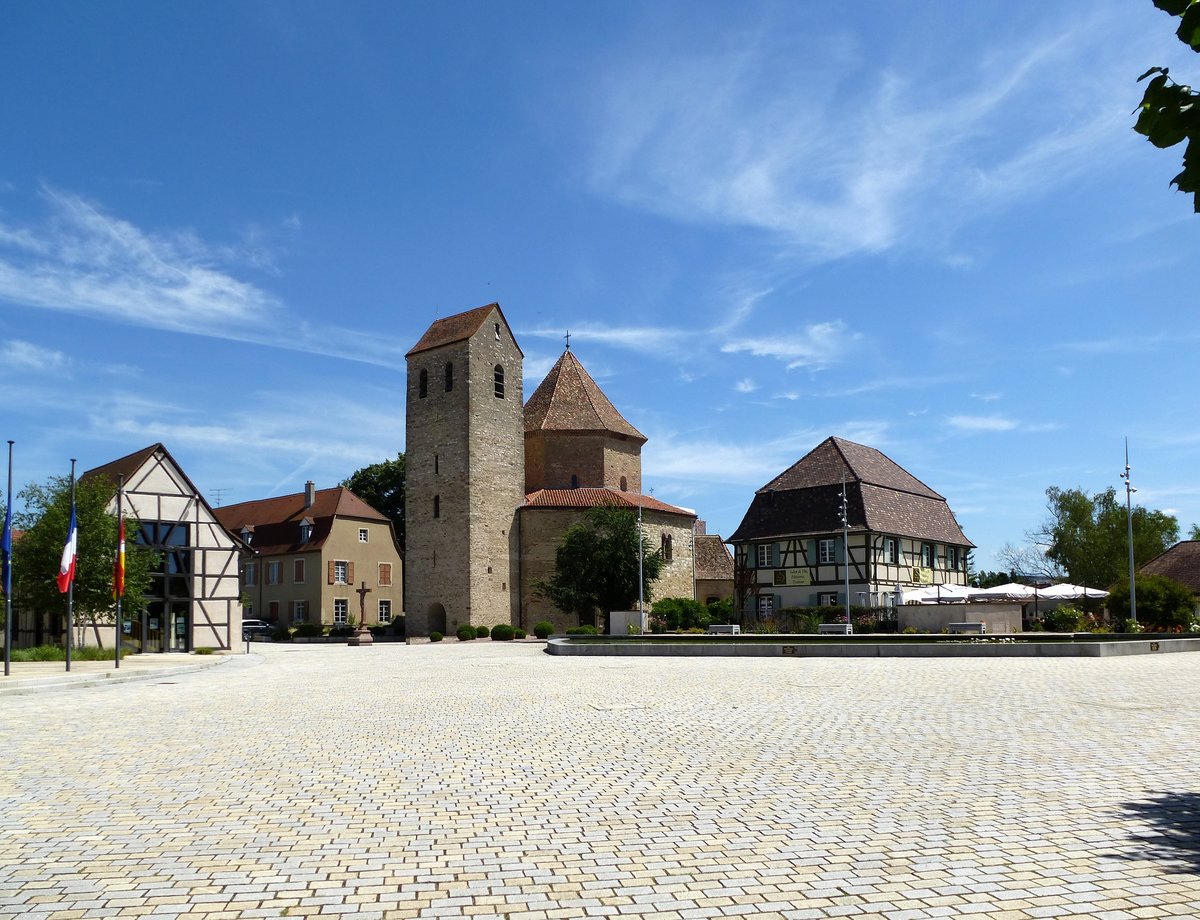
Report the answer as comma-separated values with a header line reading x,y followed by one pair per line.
x,y
66,568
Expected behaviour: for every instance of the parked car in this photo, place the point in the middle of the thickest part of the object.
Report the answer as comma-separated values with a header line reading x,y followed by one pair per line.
x,y
252,629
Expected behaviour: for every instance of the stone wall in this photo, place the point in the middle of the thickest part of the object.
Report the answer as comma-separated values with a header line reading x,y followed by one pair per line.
x,y
934,618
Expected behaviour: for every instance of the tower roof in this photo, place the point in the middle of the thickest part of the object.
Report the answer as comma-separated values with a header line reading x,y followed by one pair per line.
x,y
569,400
457,328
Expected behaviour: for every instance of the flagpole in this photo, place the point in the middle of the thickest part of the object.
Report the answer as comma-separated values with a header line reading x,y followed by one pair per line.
x,y
119,573
7,550
71,583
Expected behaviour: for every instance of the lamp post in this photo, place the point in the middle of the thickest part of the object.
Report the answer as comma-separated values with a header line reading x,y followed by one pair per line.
x,y
1129,490
844,514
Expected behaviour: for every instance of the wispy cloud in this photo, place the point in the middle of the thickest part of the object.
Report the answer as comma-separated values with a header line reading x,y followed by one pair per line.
x,y
25,356
745,385
816,346
804,136
85,261
982,423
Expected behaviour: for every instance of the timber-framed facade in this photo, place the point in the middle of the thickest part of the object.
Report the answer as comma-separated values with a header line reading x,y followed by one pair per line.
x,y
792,549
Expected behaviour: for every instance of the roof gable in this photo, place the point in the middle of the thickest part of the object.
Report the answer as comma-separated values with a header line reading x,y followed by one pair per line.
x,y
458,328
1181,563
275,522
835,460
568,399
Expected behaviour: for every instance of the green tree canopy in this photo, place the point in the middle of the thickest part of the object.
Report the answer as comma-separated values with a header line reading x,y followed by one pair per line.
x,y
37,554
596,566
381,485
1169,113
1087,536
1163,604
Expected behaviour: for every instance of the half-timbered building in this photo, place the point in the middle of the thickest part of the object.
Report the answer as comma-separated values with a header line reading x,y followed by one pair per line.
x,y
193,600
792,548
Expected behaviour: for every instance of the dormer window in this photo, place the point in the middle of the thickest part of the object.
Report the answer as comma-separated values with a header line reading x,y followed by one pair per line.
x,y
306,529
247,535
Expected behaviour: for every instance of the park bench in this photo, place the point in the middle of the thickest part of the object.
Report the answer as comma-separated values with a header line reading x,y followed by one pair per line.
x,y
726,629
980,628
833,629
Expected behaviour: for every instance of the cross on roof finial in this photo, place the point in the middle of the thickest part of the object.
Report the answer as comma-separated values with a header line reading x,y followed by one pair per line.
x,y
568,338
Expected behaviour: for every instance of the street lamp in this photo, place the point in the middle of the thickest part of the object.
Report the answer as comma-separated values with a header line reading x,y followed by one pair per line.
x,y
1129,490
844,514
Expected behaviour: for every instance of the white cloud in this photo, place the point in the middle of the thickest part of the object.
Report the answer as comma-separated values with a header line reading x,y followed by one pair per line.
x,y
25,356
818,346
745,385
981,423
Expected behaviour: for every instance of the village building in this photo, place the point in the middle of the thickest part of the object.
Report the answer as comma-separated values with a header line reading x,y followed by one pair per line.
x,y
790,548
1180,563
493,484
714,567
321,556
194,598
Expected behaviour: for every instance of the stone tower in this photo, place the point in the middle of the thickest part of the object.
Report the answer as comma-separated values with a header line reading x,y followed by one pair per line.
x,y
465,468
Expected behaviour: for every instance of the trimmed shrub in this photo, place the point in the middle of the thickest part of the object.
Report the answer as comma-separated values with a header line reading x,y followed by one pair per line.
x,y
543,629
678,614
482,632
582,631
465,633
518,634
309,631
435,636
281,634
203,650
502,632
342,632
1064,618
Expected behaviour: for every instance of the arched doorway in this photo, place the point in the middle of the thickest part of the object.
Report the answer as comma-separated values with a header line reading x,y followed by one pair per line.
x,y
436,618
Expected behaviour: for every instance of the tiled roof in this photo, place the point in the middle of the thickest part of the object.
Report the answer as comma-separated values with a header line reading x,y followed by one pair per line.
x,y
457,328
126,466
881,497
713,562
275,522
1181,563
598,498
569,400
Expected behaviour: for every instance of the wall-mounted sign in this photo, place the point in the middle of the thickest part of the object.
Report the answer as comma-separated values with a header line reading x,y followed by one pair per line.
x,y
799,577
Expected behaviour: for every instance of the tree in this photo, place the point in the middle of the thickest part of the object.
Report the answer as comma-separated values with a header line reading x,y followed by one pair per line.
x,y
1087,536
1169,113
1163,604
675,613
381,485
1195,533
986,579
37,555
596,566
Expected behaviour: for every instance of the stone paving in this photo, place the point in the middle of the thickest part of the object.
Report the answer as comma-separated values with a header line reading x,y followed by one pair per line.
x,y
491,780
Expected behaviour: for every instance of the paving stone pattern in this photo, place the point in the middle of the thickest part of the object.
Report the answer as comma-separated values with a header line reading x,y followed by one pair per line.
x,y
492,780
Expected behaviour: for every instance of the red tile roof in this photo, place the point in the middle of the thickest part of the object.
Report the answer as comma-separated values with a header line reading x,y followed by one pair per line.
x,y
1181,563
457,328
569,400
275,522
597,498
713,562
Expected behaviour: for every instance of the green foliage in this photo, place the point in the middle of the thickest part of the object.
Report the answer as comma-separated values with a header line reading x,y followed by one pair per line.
x,y
502,632
986,579
1169,112
435,636
587,630
801,619
58,653
596,566
721,611
203,650
673,614
1163,604
37,555
342,632
1064,618
308,631
518,634
482,632
543,629
381,485
281,633
1087,536
466,633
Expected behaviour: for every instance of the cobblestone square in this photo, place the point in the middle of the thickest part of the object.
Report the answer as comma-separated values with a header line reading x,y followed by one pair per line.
x,y
491,780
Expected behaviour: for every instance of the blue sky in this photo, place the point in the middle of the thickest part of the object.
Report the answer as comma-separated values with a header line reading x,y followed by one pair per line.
x,y
925,227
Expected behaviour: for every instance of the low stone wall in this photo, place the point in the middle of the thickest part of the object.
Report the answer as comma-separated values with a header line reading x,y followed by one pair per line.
x,y
935,618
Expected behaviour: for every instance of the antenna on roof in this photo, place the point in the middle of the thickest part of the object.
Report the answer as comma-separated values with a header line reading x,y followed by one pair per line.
x,y
220,494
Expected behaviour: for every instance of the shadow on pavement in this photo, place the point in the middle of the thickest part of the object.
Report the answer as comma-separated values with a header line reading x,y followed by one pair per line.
x,y
1172,834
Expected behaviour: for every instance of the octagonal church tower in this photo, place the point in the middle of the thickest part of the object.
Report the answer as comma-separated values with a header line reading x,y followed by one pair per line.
x,y
465,470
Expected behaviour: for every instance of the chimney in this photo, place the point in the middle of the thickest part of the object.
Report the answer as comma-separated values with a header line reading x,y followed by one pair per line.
x,y
310,493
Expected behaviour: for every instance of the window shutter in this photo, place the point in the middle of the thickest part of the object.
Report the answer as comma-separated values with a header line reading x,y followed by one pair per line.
x,y
777,604
349,573
773,555
810,550
839,552
751,556
329,575
814,600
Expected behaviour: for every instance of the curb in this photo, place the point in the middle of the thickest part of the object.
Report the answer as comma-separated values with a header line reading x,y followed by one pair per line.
x,y
17,686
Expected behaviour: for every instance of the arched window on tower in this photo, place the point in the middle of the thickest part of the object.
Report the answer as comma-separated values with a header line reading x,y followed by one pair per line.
x,y
574,481
449,376
423,383
666,547
624,486
499,377
437,506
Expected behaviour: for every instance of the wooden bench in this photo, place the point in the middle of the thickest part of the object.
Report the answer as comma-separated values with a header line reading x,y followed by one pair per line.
x,y
725,629
833,629
980,628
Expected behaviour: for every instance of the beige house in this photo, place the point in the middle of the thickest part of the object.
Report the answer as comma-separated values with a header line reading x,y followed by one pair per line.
x,y
791,545
494,484
714,567
193,600
318,556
